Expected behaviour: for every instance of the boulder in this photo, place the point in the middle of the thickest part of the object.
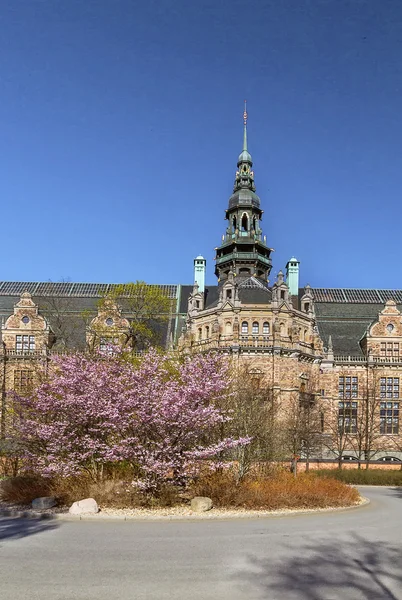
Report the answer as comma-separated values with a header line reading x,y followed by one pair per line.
x,y
44,502
88,505
201,504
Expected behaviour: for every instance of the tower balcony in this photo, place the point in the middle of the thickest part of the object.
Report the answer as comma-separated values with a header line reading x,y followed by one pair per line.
x,y
243,256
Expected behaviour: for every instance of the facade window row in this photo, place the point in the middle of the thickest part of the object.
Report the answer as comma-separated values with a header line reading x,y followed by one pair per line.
x,y
388,423
348,387
255,328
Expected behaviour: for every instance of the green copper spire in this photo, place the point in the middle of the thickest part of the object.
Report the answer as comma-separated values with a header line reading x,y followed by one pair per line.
x,y
245,127
245,155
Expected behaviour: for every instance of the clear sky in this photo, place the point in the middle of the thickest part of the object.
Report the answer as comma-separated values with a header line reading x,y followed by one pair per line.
x,y
121,123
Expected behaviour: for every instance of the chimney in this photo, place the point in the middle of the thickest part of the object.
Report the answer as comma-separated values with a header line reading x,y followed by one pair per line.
x,y
292,276
199,272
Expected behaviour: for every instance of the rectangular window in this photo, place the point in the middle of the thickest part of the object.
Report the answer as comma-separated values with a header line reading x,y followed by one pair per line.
x,y
348,387
23,380
347,417
389,417
389,387
390,350
24,343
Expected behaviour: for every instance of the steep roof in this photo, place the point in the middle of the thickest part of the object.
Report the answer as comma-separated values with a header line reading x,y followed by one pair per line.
x,y
345,314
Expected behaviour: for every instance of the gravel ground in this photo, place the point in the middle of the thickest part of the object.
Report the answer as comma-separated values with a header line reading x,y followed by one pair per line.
x,y
177,512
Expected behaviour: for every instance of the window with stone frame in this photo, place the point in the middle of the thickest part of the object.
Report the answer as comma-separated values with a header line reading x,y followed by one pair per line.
x,y
24,343
23,380
244,327
265,328
389,387
347,417
389,417
389,350
348,387
255,328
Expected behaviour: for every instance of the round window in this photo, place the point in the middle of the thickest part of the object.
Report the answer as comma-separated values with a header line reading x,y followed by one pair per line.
x,y
109,322
25,320
390,327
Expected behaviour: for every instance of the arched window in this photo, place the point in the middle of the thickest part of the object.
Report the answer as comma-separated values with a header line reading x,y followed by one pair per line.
x,y
265,328
228,327
207,332
244,222
283,329
305,335
234,223
255,328
244,327
200,333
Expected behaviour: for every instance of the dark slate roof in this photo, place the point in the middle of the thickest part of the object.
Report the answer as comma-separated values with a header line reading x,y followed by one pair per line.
x,y
345,315
67,307
68,289
356,296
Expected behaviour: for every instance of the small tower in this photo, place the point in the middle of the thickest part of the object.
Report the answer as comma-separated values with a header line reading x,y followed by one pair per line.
x,y
199,272
292,276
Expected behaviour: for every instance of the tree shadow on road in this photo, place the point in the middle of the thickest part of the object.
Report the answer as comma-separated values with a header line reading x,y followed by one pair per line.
x,y
353,568
397,491
16,528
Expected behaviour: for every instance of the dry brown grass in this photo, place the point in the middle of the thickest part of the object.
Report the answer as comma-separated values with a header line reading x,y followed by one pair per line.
x,y
272,493
23,489
277,490
109,493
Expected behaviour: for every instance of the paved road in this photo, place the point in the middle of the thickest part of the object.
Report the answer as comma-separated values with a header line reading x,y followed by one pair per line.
x,y
348,555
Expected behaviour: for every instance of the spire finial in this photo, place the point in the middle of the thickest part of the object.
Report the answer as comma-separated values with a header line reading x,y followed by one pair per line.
x,y
245,126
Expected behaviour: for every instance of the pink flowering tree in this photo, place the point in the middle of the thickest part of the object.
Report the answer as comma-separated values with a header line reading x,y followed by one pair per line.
x,y
160,416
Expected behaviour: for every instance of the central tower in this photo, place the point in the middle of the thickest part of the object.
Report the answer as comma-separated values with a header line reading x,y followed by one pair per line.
x,y
243,250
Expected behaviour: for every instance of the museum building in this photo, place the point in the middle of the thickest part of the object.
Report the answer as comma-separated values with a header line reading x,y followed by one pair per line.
x,y
341,346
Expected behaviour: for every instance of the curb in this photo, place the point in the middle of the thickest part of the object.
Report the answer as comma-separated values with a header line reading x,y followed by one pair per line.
x,y
28,514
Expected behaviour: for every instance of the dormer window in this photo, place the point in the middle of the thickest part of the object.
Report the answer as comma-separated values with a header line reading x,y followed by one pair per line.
x,y
24,343
197,304
228,294
282,295
307,306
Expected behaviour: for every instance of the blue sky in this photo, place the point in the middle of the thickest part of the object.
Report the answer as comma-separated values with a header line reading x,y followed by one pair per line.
x,y
121,123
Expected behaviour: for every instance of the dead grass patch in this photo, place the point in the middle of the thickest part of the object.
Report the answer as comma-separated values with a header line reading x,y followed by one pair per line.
x,y
273,493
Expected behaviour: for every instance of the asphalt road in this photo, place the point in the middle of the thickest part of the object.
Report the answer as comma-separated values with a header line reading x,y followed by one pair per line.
x,y
347,555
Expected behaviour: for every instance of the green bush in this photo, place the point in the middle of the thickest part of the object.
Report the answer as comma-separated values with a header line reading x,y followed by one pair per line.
x,y
363,476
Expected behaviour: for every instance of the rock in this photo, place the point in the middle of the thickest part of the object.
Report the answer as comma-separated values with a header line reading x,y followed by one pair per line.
x,y
81,507
201,504
44,502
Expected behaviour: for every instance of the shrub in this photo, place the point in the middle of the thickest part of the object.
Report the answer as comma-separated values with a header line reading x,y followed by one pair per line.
x,y
363,476
23,489
112,493
278,492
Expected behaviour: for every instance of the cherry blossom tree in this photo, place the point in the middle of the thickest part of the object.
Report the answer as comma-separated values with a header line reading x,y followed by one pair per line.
x,y
159,415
